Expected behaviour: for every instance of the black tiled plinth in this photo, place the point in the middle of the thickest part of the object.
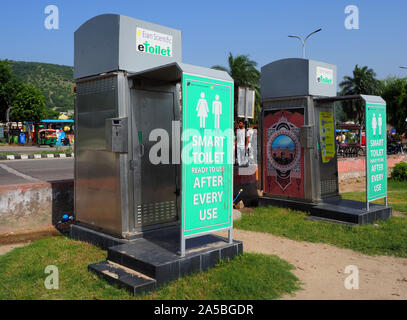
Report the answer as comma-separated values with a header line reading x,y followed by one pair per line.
x,y
158,257
155,257
336,210
115,274
102,240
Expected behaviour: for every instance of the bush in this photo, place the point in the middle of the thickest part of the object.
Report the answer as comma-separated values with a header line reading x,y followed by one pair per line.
x,y
399,172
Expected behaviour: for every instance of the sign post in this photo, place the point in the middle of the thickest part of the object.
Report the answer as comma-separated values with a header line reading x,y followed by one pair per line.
x,y
245,106
207,157
246,99
376,153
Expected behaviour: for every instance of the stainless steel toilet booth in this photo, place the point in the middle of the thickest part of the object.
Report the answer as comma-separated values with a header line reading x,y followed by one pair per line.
x,y
290,110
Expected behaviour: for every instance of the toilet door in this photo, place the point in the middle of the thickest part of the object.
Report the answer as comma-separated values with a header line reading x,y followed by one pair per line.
x,y
155,184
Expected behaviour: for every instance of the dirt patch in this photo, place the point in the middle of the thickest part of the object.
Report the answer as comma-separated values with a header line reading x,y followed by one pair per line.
x,y
246,210
9,247
321,268
30,234
352,185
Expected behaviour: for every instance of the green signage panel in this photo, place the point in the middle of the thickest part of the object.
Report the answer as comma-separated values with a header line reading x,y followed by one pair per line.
x,y
376,156
207,155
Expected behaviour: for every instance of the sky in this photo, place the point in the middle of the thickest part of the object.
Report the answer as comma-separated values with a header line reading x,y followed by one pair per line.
x,y
283,141
211,29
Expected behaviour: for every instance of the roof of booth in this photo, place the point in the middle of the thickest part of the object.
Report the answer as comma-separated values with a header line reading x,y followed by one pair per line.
x,y
173,72
364,97
110,42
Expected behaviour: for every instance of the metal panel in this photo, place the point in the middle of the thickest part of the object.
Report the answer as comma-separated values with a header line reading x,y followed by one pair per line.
x,y
311,158
296,77
172,72
293,102
107,43
155,192
320,88
96,46
131,59
126,183
284,78
97,171
205,72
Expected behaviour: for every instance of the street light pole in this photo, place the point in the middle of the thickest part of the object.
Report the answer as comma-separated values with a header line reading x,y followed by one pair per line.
x,y
8,114
303,41
403,67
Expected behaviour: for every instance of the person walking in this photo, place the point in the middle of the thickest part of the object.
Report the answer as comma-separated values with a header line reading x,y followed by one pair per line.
x,y
252,145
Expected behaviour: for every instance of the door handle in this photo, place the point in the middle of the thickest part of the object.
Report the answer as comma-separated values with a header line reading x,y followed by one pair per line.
x,y
132,164
141,150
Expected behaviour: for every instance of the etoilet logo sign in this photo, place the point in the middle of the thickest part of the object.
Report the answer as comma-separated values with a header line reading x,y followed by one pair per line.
x,y
325,75
152,42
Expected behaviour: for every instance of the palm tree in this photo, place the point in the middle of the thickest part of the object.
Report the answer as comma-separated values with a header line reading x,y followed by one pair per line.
x,y
363,82
244,73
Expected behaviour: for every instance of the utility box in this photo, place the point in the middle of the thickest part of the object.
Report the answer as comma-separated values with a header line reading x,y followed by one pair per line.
x,y
297,146
116,135
132,90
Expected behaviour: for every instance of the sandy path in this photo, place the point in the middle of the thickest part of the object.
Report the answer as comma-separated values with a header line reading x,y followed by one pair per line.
x,y
9,247
352,185
321,268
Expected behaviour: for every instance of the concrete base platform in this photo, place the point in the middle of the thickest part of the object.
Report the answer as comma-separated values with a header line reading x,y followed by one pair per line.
x,y
335,210
145,263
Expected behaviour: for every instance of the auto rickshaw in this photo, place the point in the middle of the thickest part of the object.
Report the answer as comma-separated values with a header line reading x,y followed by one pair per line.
x,y
47,137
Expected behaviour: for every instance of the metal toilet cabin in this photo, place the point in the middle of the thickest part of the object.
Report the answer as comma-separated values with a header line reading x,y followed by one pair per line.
x,y
297,145
290,114
130,81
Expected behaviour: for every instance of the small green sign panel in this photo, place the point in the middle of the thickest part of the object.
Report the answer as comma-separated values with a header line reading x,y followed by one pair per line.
x,y
376,147
207,155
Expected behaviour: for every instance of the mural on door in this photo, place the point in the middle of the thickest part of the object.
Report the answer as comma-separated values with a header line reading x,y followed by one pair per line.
x,y
284,157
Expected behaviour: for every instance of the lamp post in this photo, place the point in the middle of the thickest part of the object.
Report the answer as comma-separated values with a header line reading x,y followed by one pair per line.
x,y
403,67
304,40
8,114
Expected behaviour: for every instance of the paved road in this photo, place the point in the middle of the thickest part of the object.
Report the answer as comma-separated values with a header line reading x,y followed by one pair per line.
x,y
28,171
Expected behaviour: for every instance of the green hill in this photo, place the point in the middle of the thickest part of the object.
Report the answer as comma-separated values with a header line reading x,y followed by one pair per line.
x,y
55,82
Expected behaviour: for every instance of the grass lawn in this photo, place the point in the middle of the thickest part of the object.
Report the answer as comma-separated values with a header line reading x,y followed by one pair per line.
x,y
397,193
249,276
384,238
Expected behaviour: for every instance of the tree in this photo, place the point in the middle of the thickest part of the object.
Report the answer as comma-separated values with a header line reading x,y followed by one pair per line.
x,y
28,105
5,71
394,92
363,82
51,114
8,88
244,73
26,101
